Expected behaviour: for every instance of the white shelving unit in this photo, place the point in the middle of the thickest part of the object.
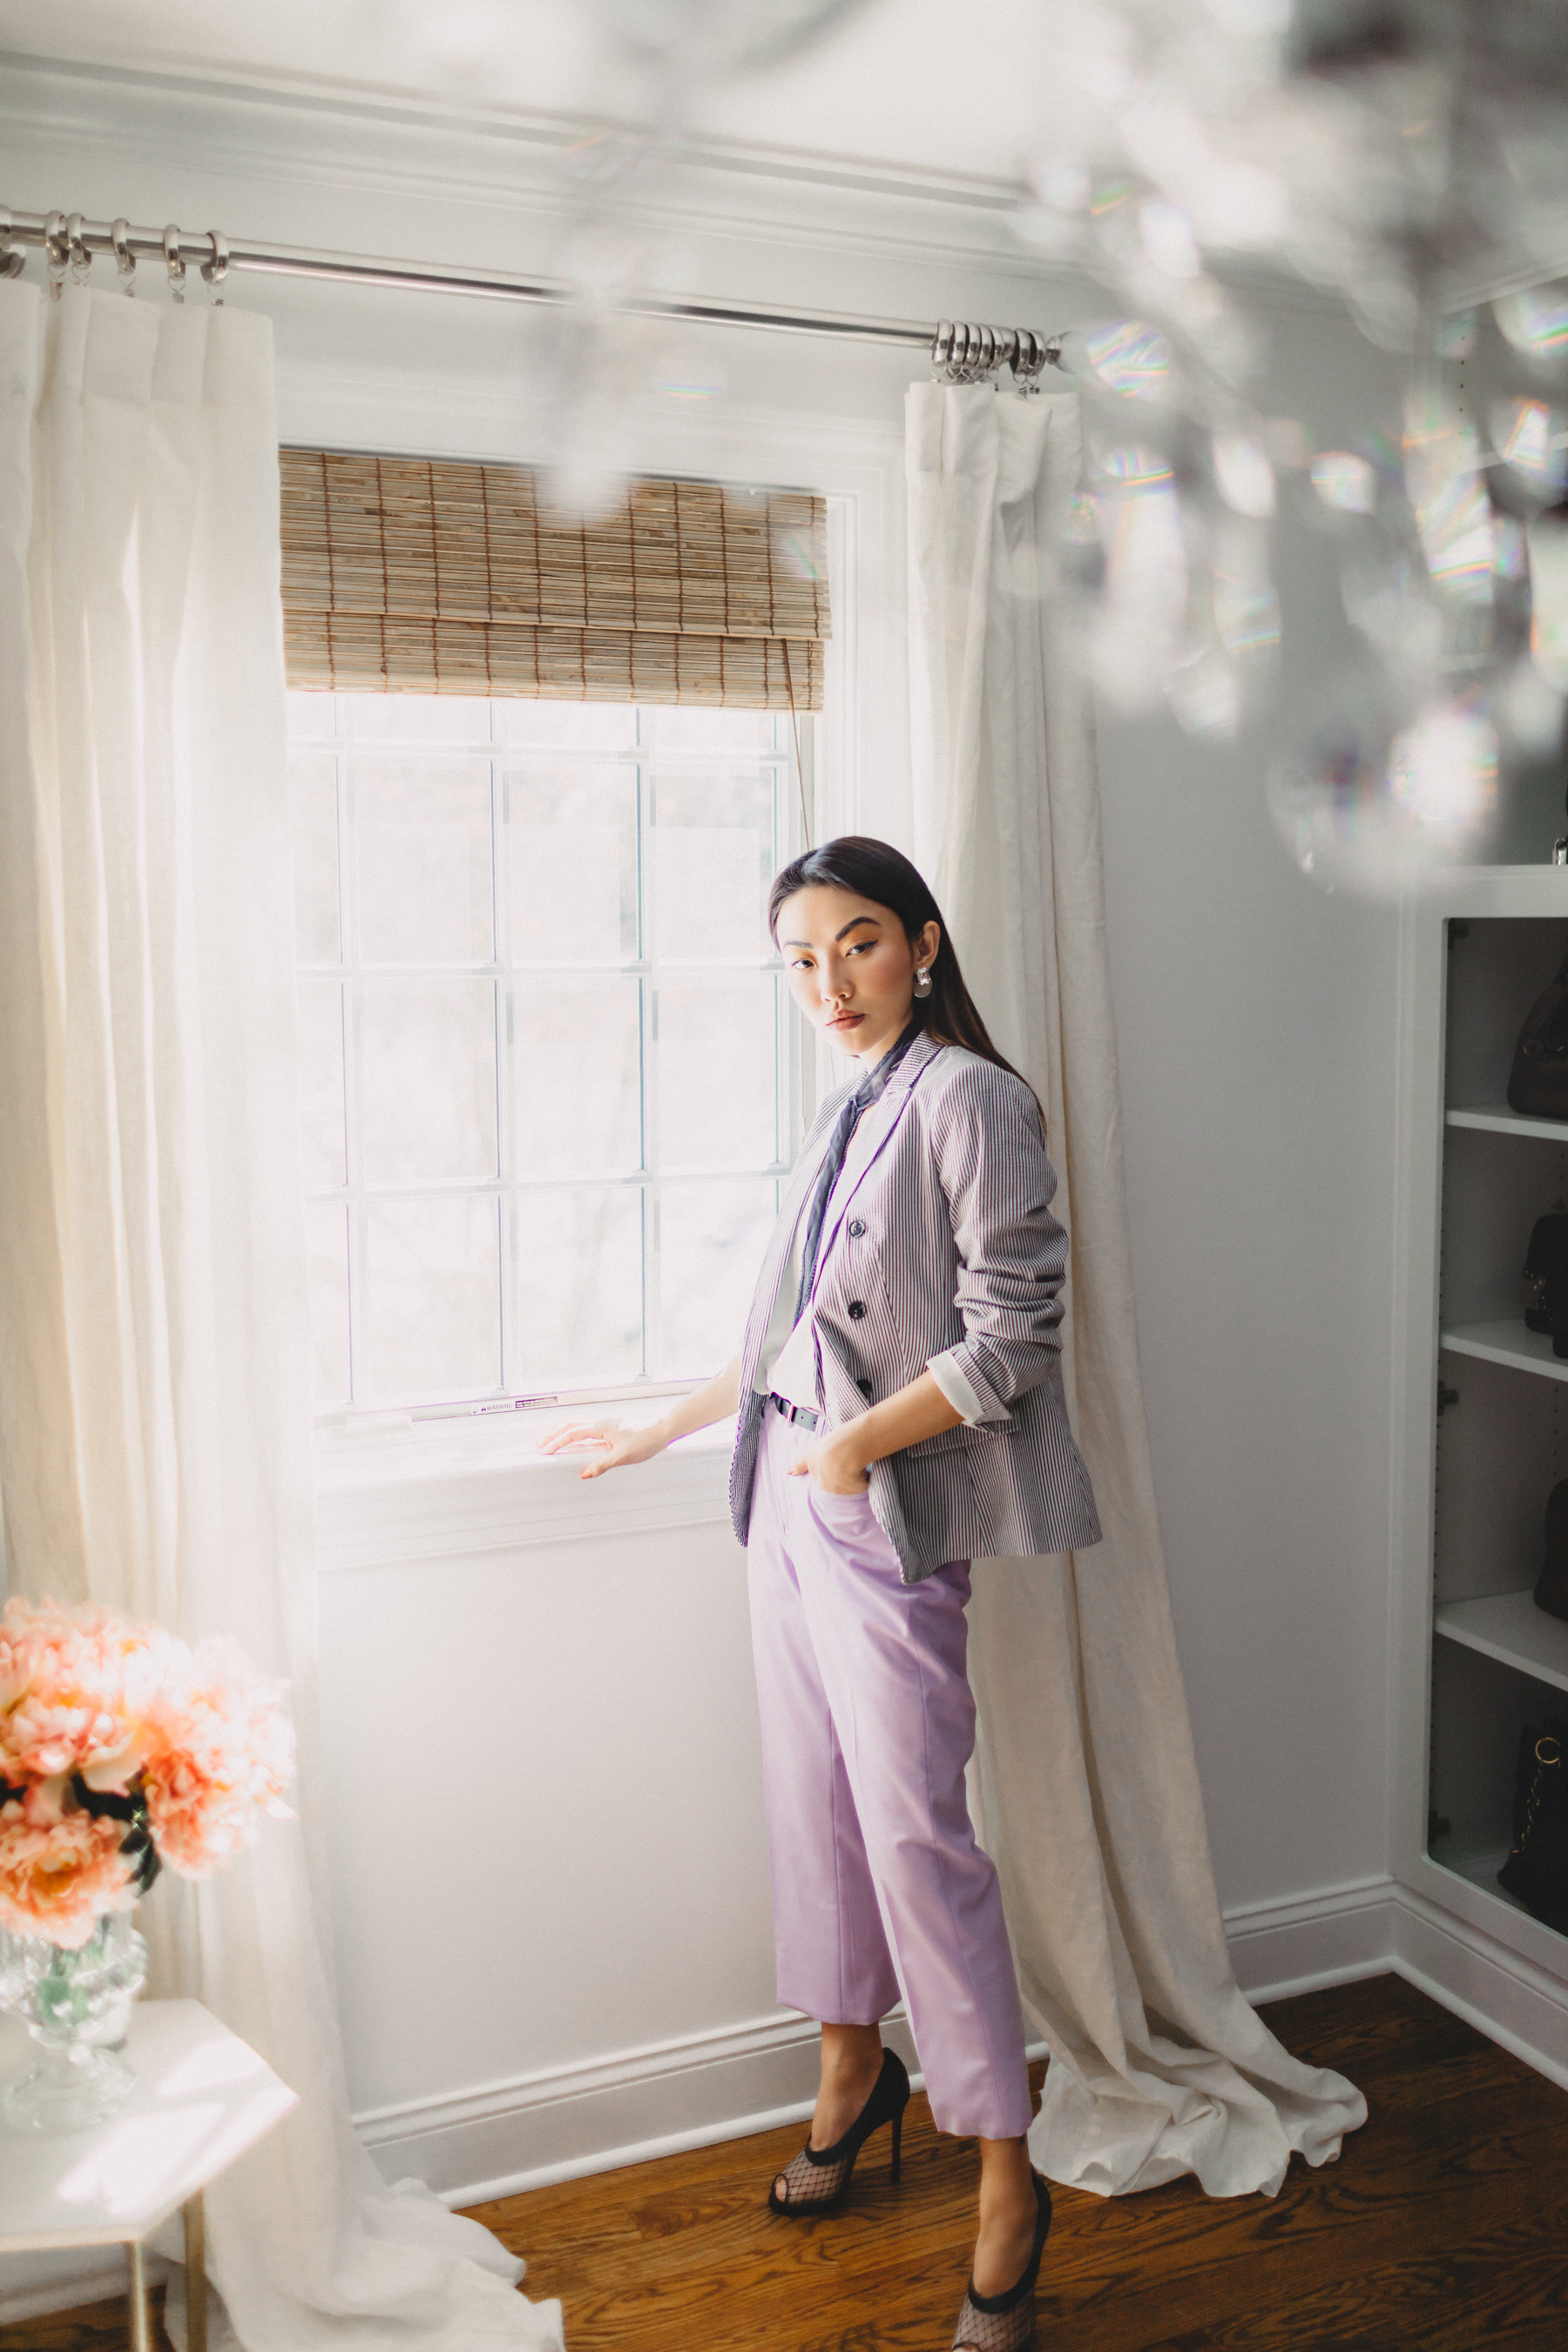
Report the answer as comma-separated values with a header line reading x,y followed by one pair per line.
x,y
1508,1626
1482,1438
1508,1341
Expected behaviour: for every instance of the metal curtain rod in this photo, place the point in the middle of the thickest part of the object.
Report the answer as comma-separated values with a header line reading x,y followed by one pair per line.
x,y
963,353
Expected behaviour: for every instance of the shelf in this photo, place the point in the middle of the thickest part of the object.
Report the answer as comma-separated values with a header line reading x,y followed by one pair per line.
x,y
1496,1118
1509,1342
1510,1627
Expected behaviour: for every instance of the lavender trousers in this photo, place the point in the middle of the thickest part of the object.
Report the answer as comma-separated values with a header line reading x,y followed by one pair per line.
x,y
879,1886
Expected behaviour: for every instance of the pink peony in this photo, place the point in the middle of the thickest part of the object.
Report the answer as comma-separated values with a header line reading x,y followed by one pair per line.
x,y
221,1757
76,1687
57,1879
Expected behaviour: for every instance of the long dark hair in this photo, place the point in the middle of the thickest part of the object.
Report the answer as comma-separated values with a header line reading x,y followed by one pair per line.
x,y
876,870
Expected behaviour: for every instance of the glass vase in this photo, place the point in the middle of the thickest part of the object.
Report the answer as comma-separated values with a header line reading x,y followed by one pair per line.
x,y
76,2006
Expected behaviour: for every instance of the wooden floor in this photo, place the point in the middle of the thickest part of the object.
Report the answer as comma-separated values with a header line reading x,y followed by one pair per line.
x,y
1443,2226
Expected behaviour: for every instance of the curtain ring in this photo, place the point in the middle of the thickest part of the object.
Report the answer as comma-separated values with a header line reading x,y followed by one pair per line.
x,y
56,249
13,257
124,259
76,245
176,266
941,350
217,269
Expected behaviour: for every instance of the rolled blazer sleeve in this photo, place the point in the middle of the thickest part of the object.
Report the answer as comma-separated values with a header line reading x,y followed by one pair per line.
x,y
998,1183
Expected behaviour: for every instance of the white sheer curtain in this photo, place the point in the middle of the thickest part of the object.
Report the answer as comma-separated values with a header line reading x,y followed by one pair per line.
x,y
154,1426
1087,1783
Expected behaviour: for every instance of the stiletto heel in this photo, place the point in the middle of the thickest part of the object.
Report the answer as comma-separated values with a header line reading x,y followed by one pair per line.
x,y
898,2144
1005,2323
818,2179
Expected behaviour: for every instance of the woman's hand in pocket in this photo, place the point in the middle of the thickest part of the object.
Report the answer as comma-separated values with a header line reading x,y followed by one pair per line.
x,y
834,1464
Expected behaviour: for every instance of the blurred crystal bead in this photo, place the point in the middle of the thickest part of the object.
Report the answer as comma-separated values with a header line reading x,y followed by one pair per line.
x,y
1443,771
1345,481
1447,486
1536,322
1548,539
1245,477
1528,435
1168,238
1530,712
1204,694
1063,185
1372,798
1125,355
1138,622
1247,615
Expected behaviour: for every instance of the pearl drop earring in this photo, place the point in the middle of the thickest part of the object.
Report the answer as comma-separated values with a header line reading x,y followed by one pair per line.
x,y
922,983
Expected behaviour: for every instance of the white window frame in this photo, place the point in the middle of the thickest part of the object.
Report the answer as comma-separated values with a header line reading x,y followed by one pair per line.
x,y
796,1067
388,1491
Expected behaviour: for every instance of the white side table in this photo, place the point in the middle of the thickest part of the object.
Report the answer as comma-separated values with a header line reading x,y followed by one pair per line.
x,y
201,2097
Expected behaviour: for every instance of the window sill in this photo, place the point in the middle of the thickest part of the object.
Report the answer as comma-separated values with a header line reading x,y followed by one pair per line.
x,y
450,1490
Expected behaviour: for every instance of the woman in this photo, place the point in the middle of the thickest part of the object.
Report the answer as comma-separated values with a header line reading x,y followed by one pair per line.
x,y
900,1413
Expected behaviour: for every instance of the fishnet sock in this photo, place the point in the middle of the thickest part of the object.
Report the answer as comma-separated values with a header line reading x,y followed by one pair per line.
x,y
995,2331
814,2180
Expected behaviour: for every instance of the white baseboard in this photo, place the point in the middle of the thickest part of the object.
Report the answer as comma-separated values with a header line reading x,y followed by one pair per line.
x,y
1497,1991
665,2097
641,2103
1333,1935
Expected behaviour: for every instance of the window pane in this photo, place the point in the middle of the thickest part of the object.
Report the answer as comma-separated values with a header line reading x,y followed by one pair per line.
x,y
427,1079
579,1285
713,857
425,890
327,1254
312,718
676,728
419,718
576,1076
567,726
313,813
711,1239
321,1153
432,1309
574,853
717,1100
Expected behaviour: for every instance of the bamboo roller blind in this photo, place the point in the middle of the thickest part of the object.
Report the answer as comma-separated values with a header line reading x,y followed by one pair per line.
x,y
423,576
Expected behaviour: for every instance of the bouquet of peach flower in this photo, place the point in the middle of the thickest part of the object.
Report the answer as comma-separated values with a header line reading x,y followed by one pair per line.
x,y
121,1748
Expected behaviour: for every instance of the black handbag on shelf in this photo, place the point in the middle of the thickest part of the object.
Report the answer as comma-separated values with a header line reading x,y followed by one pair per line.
x,y
1546,1276
1538,1082
1536,1872
1551,1586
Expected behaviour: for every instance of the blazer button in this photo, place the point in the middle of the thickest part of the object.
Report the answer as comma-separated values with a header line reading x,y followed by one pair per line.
x,y
855,1228
856,1308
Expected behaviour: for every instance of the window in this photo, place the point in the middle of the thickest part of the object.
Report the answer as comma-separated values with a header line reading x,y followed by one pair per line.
x,y
550,1079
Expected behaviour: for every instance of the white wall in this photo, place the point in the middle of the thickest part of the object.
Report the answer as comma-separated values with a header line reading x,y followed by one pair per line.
x,y
552,1920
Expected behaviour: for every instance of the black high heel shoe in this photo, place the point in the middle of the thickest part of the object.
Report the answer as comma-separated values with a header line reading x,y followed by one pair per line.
x,y
1004,2322
818,2179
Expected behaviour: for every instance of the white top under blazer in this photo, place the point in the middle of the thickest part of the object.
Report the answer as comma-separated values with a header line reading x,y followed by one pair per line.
x,y
939,1253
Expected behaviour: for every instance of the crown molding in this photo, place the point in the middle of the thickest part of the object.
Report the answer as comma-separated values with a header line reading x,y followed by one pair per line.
x,y
507,167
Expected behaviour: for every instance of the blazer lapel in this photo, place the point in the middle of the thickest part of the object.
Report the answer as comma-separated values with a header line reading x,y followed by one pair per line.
x,y
887,1114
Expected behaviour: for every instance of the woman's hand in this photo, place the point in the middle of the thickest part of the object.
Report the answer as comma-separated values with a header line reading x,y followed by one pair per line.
x,y
617,1447
836,1462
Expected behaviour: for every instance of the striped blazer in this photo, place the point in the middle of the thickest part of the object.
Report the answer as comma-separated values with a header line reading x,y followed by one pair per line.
x,y
945,1247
